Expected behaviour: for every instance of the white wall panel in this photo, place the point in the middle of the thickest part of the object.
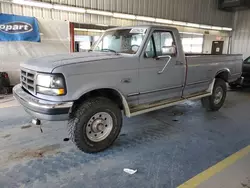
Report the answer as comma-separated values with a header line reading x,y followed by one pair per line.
x,y
241,34
208,40
55,39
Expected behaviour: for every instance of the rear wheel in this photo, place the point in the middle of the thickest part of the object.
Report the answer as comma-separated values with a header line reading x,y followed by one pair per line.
x,y
217,99
95,124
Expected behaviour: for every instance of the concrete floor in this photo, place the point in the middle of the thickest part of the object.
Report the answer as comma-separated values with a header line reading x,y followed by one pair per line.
x,y
237,175
167,147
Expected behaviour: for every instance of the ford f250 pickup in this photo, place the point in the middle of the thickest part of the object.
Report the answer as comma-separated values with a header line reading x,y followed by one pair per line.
x,y
133,70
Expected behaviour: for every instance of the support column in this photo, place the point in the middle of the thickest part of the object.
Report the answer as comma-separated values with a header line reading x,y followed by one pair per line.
x,y
72,37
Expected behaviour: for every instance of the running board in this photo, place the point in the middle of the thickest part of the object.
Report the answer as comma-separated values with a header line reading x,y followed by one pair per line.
x,y
145,108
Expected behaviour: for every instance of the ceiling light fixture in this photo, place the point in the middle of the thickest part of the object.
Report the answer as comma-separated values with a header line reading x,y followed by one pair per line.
x,y
159,20
144,18
33,3
80,29
103,25
179,23
89,30
69,8
216,28
189,33
95,30
193,25
205,27
98,12
124,16
227,29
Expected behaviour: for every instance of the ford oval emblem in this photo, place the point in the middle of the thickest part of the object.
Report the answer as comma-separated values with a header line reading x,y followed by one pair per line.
x,y
16,27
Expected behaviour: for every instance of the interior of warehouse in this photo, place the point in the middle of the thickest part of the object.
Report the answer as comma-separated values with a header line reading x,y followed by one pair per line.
x,y
193,40
69,28
124,93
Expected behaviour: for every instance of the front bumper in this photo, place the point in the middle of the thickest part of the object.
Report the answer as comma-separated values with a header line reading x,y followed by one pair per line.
x,y
42,109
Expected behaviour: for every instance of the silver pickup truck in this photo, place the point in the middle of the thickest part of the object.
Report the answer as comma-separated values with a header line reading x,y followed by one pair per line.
x,y
133,70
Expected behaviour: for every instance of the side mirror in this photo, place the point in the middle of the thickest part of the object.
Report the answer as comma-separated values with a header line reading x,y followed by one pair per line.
x,y
169,50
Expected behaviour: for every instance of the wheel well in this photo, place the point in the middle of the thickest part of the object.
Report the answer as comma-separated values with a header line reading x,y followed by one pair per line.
x,y
107,93
224,75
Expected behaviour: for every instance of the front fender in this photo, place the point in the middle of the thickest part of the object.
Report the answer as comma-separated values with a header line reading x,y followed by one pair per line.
x,y
84,91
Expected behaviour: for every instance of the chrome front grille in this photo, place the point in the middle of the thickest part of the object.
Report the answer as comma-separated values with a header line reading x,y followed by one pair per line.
x,y
28,80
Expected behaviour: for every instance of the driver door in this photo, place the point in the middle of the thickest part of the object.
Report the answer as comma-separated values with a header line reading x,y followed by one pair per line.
x,y
161,74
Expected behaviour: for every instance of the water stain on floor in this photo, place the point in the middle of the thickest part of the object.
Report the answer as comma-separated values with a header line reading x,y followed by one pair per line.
x,y
35,153
26,126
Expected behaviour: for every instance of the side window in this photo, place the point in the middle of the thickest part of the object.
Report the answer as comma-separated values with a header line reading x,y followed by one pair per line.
x,y
149,52
163,40
247,60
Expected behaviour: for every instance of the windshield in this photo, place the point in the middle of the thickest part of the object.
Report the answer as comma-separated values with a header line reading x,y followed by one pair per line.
x,y
121,41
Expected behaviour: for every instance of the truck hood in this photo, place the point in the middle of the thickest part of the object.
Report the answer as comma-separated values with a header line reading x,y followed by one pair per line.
x,y
49,63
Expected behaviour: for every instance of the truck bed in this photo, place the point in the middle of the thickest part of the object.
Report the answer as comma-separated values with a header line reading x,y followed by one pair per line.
x,y
202,67
211,63
200,54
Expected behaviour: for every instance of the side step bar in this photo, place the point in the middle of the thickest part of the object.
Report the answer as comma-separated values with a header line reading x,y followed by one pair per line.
x,y
141,109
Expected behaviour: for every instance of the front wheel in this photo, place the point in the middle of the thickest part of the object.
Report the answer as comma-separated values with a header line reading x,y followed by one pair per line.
x,y
95,124
217,99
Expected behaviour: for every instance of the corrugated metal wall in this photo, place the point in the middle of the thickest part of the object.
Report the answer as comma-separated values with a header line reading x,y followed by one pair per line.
x,y
196,11
241,34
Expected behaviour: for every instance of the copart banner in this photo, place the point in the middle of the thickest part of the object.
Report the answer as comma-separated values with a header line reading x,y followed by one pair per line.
x,y
18,28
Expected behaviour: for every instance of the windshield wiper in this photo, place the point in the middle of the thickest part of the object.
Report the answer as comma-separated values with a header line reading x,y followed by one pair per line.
x,y
109,50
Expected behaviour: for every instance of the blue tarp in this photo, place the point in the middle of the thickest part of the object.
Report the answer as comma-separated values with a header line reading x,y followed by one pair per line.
x,y
18,28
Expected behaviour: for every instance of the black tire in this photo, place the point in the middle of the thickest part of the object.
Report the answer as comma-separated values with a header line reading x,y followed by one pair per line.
x,y
210,103
81,115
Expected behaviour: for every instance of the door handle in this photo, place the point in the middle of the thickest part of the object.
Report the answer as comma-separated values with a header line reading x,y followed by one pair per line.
x,y
169,59
179,63
126,80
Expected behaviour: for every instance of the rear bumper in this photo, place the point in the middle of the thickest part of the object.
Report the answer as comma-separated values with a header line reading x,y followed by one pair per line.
x,y
239,81
41,109
246,79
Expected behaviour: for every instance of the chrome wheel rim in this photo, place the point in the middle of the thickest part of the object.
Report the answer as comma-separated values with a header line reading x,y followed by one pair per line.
x,y
99,126
218,95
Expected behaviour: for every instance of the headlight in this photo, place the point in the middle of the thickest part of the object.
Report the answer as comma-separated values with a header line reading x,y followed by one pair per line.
x,y
51,84
43,80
